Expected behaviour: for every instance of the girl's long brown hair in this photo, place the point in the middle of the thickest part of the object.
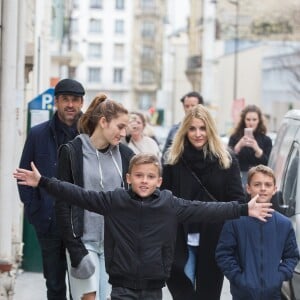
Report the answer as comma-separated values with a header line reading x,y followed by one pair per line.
x,y
261,127
101,106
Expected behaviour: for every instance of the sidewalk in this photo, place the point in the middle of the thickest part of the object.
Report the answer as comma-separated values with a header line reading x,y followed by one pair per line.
x,y
31,286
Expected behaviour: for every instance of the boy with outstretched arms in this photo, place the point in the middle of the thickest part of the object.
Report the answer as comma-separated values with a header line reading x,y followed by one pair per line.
x,y
141,223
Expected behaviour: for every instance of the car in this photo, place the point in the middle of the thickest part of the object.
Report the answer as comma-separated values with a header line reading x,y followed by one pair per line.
x,y
285,161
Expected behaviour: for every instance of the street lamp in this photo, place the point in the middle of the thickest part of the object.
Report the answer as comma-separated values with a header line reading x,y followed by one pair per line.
x,y
236,48
236,45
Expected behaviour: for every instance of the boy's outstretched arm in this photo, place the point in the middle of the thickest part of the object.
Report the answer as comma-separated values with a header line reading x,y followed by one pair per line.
x,y
27,177
98,202
260,211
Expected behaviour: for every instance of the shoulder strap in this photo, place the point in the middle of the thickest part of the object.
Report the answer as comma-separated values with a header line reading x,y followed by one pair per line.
x,y
199,181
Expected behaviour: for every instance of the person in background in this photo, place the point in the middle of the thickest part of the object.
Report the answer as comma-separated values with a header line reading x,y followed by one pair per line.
x,y
41,147
255,256
189,100
149,129
140,223
249,140
136,139
96,161
198,166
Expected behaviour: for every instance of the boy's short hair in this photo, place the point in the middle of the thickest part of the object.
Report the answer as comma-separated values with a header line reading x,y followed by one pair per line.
x,y
145,158
261,169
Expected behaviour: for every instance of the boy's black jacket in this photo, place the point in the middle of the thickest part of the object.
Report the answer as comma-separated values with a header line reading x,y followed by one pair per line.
x,y
140,233
70,218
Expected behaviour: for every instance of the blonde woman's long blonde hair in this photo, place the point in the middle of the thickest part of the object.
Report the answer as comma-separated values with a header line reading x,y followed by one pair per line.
x,y
214,146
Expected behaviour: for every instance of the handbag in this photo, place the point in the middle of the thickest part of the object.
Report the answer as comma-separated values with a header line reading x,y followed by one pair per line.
x,y
211,197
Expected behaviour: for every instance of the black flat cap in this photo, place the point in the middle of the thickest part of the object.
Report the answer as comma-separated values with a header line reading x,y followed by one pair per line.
x,y
69,87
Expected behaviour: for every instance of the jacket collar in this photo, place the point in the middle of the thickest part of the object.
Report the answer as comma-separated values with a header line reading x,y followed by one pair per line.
x,y
134,196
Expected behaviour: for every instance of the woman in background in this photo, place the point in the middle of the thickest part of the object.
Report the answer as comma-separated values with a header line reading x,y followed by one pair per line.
x,y
249,140
96,161
199,167
136,139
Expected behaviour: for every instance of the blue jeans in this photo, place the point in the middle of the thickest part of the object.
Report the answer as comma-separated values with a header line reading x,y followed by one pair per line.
x,y
190,266
54,265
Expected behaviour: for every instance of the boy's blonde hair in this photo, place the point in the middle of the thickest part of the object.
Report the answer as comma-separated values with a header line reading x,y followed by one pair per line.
x,y
145,158
260,169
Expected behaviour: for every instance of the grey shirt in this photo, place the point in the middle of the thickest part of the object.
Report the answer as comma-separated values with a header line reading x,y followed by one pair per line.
x,y
102,171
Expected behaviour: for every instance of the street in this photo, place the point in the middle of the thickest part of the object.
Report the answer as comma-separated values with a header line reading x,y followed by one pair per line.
x,y
31,286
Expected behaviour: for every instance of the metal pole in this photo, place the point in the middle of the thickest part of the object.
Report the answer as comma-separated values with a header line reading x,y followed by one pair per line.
x,y
236,50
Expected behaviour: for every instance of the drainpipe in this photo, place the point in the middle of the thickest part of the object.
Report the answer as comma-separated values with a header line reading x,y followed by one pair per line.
x,y
8,96
20,134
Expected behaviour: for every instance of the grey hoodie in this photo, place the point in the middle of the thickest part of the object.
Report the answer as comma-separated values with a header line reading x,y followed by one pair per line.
x,y
102,171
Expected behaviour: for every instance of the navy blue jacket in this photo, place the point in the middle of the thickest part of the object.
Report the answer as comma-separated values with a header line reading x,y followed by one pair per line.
x,y
40,147
257,257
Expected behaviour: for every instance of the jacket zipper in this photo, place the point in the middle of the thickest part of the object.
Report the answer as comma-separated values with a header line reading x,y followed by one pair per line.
x,y
139,240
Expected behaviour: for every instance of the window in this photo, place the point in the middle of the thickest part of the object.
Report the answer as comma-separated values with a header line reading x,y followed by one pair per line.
x,y
119,26
146,4
95,25
96,3
120,4
147,53
148,29
94,50
119,51
118,75
147,76
75,3
144,101
94,75
290,182
74,25
74,46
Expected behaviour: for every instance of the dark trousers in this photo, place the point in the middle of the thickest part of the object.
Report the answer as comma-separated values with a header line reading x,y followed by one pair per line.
x,y
54,265
121,293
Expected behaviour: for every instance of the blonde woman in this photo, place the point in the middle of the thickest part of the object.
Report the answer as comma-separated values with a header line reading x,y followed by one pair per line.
x,y
198,166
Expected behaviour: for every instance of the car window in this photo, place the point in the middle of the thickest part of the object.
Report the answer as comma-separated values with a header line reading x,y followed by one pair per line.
x,y
282,146
289,187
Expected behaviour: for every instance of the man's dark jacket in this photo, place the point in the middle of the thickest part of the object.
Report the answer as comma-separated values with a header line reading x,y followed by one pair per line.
x,y
70,217
140,234
41,148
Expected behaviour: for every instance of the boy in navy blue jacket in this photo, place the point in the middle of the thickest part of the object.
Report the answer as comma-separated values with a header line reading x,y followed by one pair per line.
x,y
258,256
141,223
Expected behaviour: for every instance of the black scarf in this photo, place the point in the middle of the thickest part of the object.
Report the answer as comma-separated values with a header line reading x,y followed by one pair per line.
x,y
64,132
197,161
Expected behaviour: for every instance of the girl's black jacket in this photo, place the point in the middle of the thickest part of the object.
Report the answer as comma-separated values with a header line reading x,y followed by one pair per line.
x,y
70,217
140,233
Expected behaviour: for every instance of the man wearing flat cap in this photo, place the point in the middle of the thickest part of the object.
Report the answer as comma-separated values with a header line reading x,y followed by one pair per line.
x,y
41,147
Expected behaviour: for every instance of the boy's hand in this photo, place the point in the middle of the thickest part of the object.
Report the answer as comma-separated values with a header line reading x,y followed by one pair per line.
x,y
27,177
260,211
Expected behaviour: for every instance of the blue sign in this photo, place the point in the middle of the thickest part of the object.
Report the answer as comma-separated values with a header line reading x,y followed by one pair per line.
x,y
44,101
